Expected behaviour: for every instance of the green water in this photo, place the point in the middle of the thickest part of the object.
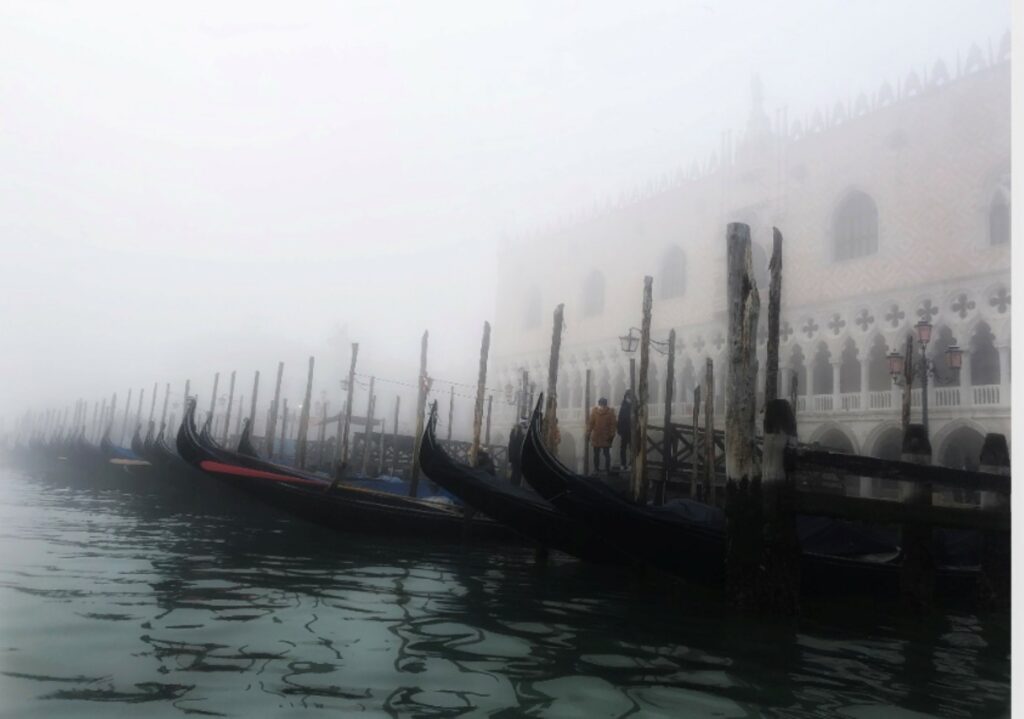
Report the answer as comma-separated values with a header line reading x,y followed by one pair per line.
x,y
144,599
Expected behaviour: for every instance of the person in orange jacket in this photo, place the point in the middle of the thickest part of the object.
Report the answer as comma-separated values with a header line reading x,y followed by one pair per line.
x,y
601,426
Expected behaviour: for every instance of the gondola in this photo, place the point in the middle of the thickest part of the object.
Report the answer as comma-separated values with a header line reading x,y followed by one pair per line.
x,y
520,509
328,503
671,539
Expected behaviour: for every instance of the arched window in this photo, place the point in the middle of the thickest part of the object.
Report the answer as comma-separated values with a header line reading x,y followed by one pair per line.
x,y
855,227
673,273
534,309
999,218
593,294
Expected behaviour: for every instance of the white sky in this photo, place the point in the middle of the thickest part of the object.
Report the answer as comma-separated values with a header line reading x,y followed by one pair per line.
x,y
194,187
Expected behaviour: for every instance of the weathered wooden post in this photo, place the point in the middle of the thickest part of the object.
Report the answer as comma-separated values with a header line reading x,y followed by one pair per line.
x,y
167,397
113,412
917,577
394,436
380,442
639,429
302,439
487,430
213,398
709,431
451,412
124,422
695,449
369,428
322,435
423,387
138,409
587,400
341,448
481,388
525,397
780,558
252,406
994,579
743,501
284,426
771,365
275,408
238,419
666,438
551,399
231,403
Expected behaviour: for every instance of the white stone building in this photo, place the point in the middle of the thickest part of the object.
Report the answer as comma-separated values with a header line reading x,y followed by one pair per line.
x,y
894,206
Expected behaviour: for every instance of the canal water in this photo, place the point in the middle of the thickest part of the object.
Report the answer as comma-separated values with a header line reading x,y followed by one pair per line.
x,y
143,598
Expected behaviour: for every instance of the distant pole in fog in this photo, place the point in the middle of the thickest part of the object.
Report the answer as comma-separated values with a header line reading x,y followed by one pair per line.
x,y
274,407
124,423
342,448
213,397
302,435
284,425
238,422
369,427
138,410
231,402
152,402
252,409
163,412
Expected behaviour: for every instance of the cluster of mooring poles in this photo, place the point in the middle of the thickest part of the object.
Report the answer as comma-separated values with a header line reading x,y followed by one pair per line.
x,y
752,474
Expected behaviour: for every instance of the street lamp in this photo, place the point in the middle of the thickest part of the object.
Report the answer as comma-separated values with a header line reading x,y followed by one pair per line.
x,y
630,342
925,368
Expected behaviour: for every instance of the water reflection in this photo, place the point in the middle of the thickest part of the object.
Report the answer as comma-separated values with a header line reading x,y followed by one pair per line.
x,y
200,601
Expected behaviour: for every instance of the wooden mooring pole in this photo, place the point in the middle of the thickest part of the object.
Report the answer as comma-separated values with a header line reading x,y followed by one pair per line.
x,y
709,431
231,404
342,447
666,435
779,579
284,427
908,385
303,435
771,365
275,408
124,422
423,387
917,575
587,401
487,427
138,409
369,428
451,412
394,436
550,425
252,405
695,449
213,399
994,579
743,500
481,389
163,410
639,433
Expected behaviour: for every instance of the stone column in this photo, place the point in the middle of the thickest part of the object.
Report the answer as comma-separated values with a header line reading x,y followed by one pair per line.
x,y
966,390
809,382
837,365
864,388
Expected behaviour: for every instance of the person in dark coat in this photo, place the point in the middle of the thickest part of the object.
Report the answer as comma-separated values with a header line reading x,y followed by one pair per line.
x,y
625,428
485,461
515,451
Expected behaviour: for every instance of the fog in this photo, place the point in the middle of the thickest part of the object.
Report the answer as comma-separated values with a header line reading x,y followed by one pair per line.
x,y
200,187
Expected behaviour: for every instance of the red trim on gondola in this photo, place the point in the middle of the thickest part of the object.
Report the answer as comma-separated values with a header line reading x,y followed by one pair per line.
x,y
222,468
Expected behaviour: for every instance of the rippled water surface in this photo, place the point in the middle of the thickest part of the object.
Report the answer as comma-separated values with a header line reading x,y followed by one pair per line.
x,y
144,597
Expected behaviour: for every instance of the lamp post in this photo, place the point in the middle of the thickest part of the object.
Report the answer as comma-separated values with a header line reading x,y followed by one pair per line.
x,y
519,398
629,343
926,368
